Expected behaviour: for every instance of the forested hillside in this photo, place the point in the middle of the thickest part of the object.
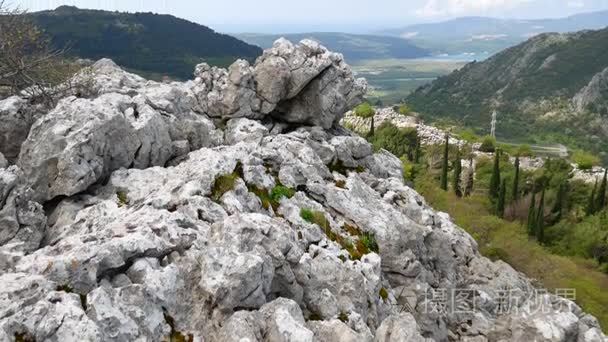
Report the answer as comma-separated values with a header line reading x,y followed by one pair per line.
x,y
157,44
540,87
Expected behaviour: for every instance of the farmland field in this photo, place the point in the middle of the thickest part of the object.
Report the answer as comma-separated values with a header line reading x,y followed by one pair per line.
x,y
391,80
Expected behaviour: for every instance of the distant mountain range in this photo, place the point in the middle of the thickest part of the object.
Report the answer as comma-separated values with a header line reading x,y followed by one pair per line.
x,y
553,85
149,43
485,36
354,47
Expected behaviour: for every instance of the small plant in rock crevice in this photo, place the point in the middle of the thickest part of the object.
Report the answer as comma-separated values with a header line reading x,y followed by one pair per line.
x,y
122,197
222,185
383,294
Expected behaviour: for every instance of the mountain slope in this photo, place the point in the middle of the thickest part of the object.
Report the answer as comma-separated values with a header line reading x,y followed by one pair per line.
x,y
143,41
354,47
534,83
481,34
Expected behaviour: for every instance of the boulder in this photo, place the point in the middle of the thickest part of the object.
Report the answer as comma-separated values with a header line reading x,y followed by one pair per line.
x,y
16,118
22,220
3,162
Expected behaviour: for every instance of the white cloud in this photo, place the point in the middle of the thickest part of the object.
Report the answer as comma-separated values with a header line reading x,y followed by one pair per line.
x,y
438,8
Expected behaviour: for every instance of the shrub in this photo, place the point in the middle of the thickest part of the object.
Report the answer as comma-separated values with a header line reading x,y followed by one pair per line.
x,y
585,160
404,109
488,144
365,110
399,141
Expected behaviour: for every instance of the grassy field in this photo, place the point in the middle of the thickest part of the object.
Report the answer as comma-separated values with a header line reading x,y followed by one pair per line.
x,y
392,80
508,241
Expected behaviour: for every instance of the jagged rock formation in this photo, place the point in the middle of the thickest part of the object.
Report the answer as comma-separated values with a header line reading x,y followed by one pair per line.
x,y
220,210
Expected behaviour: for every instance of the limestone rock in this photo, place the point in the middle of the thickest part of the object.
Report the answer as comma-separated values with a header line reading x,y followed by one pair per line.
x,y
22,220
16,118
232,208
3,162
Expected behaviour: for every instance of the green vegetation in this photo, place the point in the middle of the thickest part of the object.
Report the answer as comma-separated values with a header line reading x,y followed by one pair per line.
x,y
444,163
559,245
402,142
368,241
148,42
366,111
343,317
495,180
365,244
403,109
457,175
488,144
500,204
223,184
515,191
393,79
585,160
122,197
508,241
383,294
354,47
522,93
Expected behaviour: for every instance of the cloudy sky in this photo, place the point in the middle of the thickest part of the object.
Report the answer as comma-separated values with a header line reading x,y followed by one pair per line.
x,y
329,15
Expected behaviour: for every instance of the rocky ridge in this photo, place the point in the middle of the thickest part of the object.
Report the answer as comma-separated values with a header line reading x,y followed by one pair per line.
x,y
234,208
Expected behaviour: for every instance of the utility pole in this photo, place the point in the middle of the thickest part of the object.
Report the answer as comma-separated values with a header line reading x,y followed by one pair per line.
x,y
493,131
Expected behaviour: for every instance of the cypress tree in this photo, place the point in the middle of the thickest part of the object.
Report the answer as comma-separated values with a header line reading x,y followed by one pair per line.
x,y
590,210
540,221
600,202
500,206
516,180
418,151
457,175
495,181
559,202
444,169
532,215
470,180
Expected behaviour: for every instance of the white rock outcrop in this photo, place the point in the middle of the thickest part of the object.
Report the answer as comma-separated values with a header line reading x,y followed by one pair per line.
x,y
150,212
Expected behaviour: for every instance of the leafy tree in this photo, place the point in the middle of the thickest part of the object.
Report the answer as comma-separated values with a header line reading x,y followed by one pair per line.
x,y
29,66
495,180
444,169
470,180
590,210
600,202
500,206
488,144
532,216
418,152
457,174
516,180
366,111
540,220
